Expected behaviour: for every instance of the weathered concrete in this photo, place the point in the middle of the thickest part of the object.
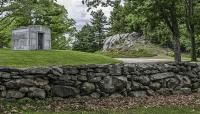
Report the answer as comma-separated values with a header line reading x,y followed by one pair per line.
x,y
34,37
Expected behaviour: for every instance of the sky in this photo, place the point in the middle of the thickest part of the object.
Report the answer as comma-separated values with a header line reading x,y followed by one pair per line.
x,y
78,11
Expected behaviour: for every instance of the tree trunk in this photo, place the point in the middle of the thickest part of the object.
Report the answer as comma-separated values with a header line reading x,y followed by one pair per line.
x,y
193,46
177,50
189,9
176,33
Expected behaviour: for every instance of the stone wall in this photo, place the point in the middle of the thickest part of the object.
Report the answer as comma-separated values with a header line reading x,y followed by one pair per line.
x,y
97,81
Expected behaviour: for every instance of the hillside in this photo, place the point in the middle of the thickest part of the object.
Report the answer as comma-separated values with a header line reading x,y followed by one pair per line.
x,y
47,58
132,45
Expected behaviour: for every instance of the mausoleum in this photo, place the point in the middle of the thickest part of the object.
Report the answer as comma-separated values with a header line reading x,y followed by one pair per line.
x,y
33,37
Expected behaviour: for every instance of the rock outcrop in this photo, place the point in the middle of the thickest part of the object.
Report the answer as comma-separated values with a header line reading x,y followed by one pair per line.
x,y
122,41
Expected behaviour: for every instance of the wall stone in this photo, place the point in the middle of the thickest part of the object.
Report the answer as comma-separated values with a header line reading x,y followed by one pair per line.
x,y
96,81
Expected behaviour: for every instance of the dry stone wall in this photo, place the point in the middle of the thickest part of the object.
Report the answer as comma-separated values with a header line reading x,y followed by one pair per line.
x,y
96,81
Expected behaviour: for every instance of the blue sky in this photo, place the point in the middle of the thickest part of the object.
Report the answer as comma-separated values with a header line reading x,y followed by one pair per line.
x,y
78,11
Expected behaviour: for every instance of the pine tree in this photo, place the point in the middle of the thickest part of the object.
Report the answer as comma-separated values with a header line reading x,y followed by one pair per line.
x,y
99,22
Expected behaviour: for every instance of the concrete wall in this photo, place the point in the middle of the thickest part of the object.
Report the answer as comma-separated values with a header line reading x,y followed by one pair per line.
x,y
20,39
27,38
34,30
135,80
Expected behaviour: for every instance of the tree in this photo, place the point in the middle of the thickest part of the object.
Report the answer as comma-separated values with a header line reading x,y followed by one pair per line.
x,y
189,20
98,22
85,40
165,10
117,19
42,12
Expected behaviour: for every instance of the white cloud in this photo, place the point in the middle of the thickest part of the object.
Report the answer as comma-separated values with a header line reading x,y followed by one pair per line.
x,y
78,11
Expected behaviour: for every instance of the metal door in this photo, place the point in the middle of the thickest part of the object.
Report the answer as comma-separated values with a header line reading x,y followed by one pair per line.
x,y
40,41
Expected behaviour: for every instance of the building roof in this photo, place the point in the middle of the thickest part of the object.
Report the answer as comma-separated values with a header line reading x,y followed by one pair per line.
x,y
31,26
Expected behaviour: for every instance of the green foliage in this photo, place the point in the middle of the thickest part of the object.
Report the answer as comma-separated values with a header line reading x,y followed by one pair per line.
x,y
90,38
117,19
98,23
129,54
47,58
40,12
86,40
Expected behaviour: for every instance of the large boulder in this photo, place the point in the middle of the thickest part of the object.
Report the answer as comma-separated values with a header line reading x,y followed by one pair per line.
x,y
122,41
14,94
64,91
37,93
113,84
88,87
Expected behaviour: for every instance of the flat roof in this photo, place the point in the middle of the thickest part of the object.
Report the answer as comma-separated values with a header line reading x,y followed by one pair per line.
x,y
30,26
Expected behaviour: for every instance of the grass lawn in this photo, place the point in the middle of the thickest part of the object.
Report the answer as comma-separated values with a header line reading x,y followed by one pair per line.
x,y
47,58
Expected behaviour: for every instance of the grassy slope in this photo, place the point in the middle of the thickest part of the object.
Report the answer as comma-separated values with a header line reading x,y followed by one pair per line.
x,y
146,51
139,50
46,58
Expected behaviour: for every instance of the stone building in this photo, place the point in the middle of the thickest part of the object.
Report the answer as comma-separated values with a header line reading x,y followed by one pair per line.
x,y
33,37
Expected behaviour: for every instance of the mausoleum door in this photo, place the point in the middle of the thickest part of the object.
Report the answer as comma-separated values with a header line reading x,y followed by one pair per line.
x,y
40,40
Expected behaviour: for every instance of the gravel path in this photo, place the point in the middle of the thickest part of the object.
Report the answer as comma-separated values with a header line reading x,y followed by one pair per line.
x,y
142,60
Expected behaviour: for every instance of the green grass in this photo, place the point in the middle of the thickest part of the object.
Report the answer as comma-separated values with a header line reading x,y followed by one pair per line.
x,y
47,58
129,54
141,110
138,50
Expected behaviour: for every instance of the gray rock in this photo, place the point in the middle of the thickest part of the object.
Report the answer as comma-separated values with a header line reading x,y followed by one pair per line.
x,y
56,70
142,79
64,91
16,77
135,85
172,83
112,84
115,70
3,94
120,82
186,90
88,87
116,95
4,75
107,85
196,85
165,91
11,84
82,78
42,71
198,90
184,81
25,82
14,94
83,72
162,76
95,79
9,69
47,88
36,93
100,74
2,88
41,82
24,90
95,95
127,41
138,93
72,70
155,85
151,93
